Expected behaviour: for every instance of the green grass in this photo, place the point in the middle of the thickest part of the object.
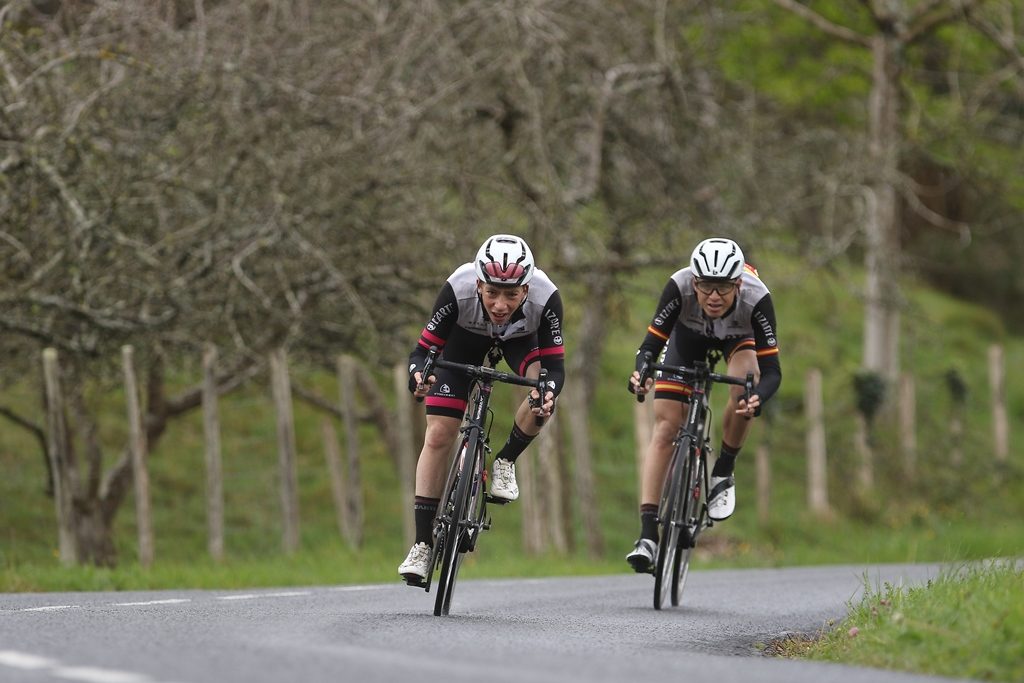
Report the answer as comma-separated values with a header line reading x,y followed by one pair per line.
x,y
968,623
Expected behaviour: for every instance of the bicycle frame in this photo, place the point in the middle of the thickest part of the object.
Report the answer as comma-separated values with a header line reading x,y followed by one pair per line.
x,y
462,513
682,512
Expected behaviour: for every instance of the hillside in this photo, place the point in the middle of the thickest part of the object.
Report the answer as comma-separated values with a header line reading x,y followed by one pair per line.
x,y
947,512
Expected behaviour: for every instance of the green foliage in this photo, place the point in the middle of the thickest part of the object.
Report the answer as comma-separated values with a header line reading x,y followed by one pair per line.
x,y
870,388
794,65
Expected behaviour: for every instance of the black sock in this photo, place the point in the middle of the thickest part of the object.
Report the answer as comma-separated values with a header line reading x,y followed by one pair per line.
x,y
726,462
424,510
516,444
649,522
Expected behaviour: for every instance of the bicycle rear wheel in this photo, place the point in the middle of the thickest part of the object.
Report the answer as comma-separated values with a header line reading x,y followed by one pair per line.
x,y
670,513
456,539
693,510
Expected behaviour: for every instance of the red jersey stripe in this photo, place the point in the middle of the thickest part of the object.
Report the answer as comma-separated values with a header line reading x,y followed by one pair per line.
x,y
442,402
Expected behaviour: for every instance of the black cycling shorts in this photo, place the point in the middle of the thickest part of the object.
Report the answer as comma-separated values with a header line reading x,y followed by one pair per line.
x,y
684,348
450,393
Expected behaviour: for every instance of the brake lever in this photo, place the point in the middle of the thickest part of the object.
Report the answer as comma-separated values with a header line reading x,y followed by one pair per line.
x,y
428,367
541,392
645,370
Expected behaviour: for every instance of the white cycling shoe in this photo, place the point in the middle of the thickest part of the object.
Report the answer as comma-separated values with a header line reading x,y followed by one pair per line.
x,y
722,498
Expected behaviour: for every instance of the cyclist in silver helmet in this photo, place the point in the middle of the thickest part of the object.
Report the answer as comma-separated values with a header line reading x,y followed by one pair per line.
x,y
499,300
717,302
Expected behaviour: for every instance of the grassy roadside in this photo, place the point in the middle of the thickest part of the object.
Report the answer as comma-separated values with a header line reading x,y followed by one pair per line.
x,y
968,623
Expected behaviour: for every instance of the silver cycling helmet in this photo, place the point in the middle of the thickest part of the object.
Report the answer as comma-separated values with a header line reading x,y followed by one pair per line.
x,y
504,260
717,258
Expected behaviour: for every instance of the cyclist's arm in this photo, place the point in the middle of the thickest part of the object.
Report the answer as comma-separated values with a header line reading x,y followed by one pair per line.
x,y
665,317
551,343
436,331
767,348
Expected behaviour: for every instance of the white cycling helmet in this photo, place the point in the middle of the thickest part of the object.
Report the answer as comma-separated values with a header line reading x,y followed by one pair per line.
x,y
504,260
717,259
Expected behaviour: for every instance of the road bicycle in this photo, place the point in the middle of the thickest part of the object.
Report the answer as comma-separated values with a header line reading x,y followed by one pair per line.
x,y
683,510
462,514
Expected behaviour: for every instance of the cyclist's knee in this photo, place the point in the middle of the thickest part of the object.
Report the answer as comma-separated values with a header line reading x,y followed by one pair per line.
x,y
440,432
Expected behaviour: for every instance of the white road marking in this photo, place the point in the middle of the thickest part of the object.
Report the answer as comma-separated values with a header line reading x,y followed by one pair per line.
x,y
86,674
47,608
21,660
173,601
91,674
249,596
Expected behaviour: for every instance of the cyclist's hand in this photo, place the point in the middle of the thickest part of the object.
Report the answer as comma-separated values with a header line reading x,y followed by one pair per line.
x,y
634,384
748,409
422,387
542,409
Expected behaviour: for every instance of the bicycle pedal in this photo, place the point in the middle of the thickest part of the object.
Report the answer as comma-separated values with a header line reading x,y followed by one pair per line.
x,y
414,581
497,501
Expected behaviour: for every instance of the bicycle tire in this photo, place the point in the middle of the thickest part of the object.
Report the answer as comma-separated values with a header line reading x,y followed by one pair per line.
x,y
692,523
669,518
451,553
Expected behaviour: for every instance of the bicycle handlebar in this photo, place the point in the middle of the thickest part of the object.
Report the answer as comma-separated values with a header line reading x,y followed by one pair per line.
x,y
489,374
648,366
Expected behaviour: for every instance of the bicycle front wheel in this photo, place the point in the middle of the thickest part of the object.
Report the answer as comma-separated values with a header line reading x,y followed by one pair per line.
x,y
692,517
456,533
670,513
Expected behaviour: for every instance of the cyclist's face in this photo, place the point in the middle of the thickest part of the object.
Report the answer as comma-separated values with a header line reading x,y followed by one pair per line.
x,y
501,302
716,298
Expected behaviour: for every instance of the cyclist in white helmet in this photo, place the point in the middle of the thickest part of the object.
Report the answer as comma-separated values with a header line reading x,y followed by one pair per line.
x,y
717,302
500,300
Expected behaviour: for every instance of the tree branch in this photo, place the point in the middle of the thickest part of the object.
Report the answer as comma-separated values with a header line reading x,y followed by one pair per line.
x,y
829,27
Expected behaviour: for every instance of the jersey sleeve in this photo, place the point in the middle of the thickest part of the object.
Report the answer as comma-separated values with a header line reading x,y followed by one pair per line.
x,y
437,329
766,345
665,317
551,343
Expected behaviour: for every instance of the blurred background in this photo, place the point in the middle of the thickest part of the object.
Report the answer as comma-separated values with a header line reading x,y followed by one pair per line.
x,y
269,194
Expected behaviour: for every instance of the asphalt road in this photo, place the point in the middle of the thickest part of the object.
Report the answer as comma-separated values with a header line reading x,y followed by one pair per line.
x,y
591,630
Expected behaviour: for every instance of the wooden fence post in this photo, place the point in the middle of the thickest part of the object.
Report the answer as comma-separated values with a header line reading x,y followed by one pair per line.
x,y
1000,421
643,427
282,393
586,489
908,424
406,455
57,452
353,483
137,448
862,443
527,476
817,474
335,476
212,457
553,517
763,470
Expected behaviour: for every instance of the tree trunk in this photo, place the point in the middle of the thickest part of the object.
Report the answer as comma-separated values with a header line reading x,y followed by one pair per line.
x,y
882,248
